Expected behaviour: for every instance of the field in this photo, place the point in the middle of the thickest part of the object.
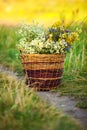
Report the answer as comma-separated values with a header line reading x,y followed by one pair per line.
x,y
45,12
21,108
17,107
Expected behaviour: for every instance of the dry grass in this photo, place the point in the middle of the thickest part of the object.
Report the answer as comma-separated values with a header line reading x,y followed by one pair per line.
x,y
21,109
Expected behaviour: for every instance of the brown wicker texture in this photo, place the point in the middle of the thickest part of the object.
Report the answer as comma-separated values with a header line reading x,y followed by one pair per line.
x,y
43,71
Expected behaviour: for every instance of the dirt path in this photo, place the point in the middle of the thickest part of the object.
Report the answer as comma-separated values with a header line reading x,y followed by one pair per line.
x,y
67,104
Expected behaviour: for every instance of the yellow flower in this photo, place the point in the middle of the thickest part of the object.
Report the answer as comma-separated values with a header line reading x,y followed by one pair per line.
x,y
64,36
50,37
74,36
69,40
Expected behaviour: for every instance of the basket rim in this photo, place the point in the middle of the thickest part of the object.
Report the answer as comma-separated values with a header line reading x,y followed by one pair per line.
x,y
40,58
44,54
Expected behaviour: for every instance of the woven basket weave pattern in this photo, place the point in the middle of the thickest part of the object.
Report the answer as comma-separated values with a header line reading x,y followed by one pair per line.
x,y
43,71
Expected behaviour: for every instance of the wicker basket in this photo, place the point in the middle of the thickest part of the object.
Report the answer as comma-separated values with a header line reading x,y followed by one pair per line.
x,y
43,71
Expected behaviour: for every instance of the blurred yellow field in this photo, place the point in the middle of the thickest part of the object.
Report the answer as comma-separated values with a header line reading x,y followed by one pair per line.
x,y
43,11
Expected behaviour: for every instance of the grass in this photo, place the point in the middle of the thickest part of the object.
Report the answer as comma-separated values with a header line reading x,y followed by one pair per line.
x,y
75,69
77,90
9,55
21,109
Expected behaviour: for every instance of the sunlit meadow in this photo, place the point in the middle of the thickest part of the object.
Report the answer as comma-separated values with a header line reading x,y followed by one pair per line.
x,y
46,12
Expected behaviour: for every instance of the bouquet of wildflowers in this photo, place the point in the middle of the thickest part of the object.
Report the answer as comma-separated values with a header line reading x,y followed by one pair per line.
x,y
35,39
